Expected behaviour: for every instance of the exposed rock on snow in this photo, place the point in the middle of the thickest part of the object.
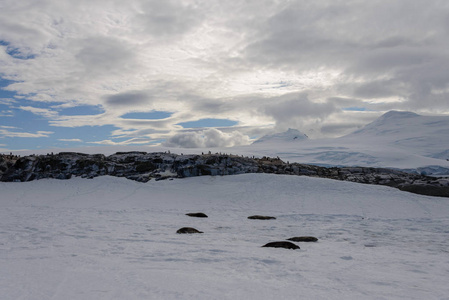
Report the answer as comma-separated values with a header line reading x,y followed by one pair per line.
x,y
257,217
303,239
282,244
197,215
142,166
188,230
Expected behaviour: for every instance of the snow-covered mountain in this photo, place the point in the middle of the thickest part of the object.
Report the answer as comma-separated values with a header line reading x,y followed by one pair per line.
x,y
424,135
291,135
402,140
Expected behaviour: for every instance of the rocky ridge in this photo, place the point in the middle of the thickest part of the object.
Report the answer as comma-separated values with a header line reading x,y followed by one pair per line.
x,y
142,167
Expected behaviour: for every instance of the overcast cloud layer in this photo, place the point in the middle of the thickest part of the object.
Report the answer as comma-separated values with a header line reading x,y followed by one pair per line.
x,y
323,67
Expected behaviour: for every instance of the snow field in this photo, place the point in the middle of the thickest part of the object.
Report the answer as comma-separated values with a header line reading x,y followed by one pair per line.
x,y
112,238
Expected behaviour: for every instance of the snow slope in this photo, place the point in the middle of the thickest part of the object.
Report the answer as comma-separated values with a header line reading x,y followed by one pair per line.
x,y
402,140
112,238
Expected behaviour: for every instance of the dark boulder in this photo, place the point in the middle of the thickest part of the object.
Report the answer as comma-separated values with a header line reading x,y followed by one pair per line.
x,y
188,230
283,244
303,239
197,215
257,217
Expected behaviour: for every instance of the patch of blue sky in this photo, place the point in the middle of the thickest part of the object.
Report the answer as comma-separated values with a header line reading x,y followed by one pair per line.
x,y
354,108
27,122
15,52
4,93
16,143
83,110
60,138
208,123
152,115
87,134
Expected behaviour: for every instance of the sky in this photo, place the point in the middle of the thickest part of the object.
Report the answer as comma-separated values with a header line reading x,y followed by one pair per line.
x,y
207,73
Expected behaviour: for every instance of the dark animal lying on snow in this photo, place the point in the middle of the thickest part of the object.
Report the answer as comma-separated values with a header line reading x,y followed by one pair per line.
x,y
257,217
303,239
197,215
286,245
188,230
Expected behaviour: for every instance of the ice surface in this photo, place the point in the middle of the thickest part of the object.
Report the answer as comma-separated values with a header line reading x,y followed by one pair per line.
x,y
112,238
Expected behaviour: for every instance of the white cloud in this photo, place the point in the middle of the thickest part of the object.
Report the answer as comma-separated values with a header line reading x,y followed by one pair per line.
x,y
135,141
47,113
207,138
6,113
70,140
38,134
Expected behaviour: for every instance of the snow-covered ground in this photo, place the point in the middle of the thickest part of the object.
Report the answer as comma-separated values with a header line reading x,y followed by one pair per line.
x,y
112,238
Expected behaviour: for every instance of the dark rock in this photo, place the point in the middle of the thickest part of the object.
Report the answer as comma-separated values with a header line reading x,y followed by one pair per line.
x,y
426,189
197,215
283,244
188,230
303,239
257,217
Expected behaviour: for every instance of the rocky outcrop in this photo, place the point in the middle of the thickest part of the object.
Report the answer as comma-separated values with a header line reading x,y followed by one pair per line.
x,y
142,166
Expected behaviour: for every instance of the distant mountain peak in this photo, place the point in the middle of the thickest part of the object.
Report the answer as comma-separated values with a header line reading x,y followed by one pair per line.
x,y
398,114
286,136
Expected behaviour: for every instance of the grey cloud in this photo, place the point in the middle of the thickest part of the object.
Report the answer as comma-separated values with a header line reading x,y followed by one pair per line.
x,y
296,108
207,105
168,18
344,102
395,48
103,54
380,89
131,98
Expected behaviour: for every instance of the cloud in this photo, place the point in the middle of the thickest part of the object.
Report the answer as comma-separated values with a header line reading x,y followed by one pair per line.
x,y
70,140
207,138
7,101
131,98
15,134
47,113
102,55
138,141
167,18
296,108
268,65
6,113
